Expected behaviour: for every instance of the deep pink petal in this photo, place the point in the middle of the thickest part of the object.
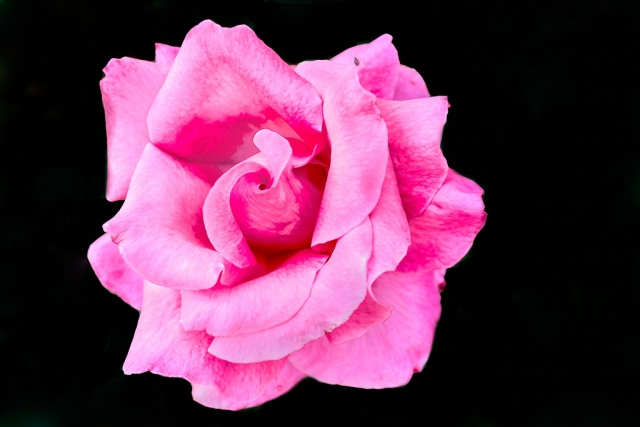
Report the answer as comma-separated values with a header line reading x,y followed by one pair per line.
x,y
415,130
368,314
444,232
128,90
339,288
388,354
410,85
255,305
210,395
166,54
391,235
160,345
160,230
380,65
358,138
114,273
224,86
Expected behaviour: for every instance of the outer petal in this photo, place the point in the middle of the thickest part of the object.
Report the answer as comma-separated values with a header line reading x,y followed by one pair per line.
x,y
415,131
160,230
381,65
114,273
391,238
166,54
388,354
444,232
340,286
254,305
358,138
210,395
128,90
410,85
224,86
161,346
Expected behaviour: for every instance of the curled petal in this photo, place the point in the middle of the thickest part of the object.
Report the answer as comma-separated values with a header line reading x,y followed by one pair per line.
x,y
255,305
388,354
339,288
358,138
444,232
410,85
161,346
380,65
114,273
159,229
368,314
415,130
224,86
128,90
210,395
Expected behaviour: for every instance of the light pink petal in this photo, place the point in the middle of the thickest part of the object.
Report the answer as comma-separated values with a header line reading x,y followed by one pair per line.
x,y
444,232
391,235
340,287
160,345
368,314
166,54
277,151
224,86
358,138
255,305
415,130
388,354
410,85
210,395
114,273
379,65
128,90
159,229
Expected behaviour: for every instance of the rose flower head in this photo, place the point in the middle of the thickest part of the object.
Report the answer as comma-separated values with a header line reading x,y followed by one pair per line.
x,y
279,222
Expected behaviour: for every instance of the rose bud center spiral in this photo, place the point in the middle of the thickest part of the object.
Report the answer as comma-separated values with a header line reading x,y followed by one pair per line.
x,y
283,216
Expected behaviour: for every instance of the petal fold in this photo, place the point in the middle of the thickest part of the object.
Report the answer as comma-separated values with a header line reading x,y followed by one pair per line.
x,y
339,288
445,231
114,273
379,68
415,130
388,354
410,85
225,85
159,229
161,346
358,139
255,305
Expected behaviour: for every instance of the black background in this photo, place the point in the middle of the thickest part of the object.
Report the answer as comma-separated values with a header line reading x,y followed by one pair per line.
x,y
540,324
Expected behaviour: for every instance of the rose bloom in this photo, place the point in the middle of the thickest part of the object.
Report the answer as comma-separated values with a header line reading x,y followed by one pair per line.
x,y
278,221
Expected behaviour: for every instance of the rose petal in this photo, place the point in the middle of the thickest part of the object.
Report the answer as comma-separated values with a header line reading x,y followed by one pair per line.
x,y
160,230
255,305
391,235
224,86
277,151
161,346
410,85
388,354
415,131
358,138
368,314
339,288
166,54
379,73
128,90
114,273
444,232
210,395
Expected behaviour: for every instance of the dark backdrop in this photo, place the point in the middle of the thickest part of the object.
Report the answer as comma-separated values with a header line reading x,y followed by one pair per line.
x,y
540,322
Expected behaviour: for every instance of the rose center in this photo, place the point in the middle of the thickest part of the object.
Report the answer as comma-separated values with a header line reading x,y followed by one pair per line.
x,y
282,217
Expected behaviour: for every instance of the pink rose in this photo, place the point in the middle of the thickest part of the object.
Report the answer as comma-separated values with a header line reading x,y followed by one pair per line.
x,y
278,221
